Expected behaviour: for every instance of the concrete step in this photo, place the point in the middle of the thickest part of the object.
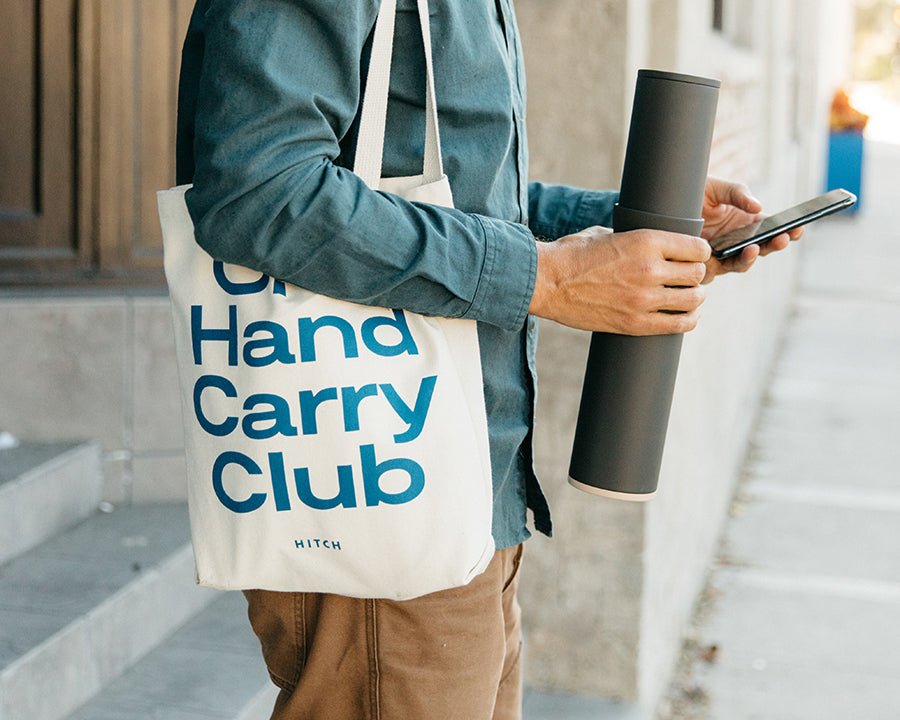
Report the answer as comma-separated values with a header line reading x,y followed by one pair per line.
x,y
209,668
79,609
45,488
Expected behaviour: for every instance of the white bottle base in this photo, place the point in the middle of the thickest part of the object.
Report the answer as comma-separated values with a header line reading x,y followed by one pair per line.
x,y
630,497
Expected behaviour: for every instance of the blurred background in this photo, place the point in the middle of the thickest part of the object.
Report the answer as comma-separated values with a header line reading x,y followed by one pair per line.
x,y
764,579
875,87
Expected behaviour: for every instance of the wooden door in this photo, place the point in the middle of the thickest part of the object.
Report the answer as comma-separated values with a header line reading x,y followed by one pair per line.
x,y
38,191
88,94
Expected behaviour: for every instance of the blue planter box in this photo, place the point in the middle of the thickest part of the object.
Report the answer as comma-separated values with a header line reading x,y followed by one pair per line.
x,y
845,163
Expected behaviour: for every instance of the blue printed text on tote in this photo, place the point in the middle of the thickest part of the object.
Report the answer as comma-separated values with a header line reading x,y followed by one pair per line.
x,y
222,410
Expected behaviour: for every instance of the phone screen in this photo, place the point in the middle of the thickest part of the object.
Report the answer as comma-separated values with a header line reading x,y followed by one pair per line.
x,y
767,228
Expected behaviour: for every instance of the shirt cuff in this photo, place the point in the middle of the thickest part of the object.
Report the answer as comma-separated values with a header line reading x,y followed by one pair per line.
x,y
507,277
595,208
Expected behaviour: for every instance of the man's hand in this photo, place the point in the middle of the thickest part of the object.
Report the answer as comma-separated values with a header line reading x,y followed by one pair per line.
x,y
726,207
643,282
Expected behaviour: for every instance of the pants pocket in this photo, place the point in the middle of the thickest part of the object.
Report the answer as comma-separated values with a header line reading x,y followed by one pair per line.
x,y
512,579
279,621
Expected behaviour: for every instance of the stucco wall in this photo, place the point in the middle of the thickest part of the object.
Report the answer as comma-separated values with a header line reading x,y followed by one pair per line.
x,y
577,117
606,599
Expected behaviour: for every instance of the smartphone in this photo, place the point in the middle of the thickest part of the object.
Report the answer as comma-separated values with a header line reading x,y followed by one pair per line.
x,y
759,232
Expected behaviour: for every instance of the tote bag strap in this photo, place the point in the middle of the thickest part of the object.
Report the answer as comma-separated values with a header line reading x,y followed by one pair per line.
x,y
370,143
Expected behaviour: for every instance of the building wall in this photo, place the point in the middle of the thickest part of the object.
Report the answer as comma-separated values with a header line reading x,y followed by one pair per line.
x,y
97,366
577,117
606,600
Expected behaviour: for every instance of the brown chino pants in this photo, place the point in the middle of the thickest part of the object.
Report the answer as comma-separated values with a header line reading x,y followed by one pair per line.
x,y
450,655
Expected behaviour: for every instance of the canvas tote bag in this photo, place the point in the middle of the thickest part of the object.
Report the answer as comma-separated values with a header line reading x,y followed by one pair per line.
x,y
331,447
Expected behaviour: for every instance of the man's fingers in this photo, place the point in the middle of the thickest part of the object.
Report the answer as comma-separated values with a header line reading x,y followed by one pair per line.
x,y
779,242
739,196
661,323
736,194
684,248
681,300
684,274
744,261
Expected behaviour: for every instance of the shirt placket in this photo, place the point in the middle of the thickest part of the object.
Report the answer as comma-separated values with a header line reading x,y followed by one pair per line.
x,y
534,495
516,73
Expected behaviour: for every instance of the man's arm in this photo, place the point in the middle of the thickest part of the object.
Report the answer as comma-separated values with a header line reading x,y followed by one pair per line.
x,y
280,86
558,210
633,282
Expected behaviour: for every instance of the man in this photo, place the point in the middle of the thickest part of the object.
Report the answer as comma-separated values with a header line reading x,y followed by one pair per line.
x,y
268,115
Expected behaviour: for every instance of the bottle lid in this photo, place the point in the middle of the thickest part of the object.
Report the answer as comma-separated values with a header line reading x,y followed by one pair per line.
x,y
679,77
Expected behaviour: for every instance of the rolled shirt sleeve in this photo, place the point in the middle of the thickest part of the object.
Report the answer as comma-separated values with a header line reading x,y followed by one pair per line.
x,y
278,92
507,261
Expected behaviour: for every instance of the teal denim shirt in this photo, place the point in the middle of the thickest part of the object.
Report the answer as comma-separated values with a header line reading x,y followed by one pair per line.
x,y
267,122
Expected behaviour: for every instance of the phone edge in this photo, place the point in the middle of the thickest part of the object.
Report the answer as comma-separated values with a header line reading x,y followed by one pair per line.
x,y
849,201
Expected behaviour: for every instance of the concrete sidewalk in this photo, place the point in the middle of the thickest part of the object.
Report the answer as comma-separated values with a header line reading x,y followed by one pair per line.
x,y
801,618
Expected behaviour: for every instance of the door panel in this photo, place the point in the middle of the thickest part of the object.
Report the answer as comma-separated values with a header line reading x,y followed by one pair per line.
x,y
88,93
37,145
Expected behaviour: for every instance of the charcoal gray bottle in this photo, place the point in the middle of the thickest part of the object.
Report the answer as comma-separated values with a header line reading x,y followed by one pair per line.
x,y
629,381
